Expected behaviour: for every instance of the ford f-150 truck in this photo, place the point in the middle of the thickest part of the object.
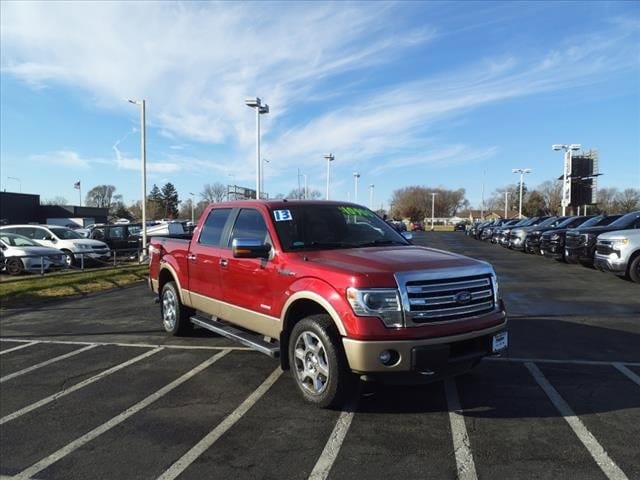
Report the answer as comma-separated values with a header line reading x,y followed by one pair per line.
x,y
331,290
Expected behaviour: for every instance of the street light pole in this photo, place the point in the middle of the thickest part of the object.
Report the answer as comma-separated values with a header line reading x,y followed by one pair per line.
x,y
193,216
433,209
306,187
330,158
262,175
506,202
371,187
566,173
522,172
260,110
356,176
143,166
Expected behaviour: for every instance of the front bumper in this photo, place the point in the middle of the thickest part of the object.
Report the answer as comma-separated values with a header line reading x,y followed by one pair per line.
x,y
419,355
610,263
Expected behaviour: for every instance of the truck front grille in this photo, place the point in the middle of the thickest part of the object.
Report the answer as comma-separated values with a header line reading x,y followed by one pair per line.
x,y
573,240
447,299
604,248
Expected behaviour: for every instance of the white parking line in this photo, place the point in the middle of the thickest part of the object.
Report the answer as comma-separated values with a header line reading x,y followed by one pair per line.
x,y
77,386
188,458
628,373
332,448
105,427
119,344
553,360
606,464
19,347
45,363
461,445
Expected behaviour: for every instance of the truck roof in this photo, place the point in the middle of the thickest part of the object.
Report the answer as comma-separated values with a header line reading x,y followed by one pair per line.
x,y
281,203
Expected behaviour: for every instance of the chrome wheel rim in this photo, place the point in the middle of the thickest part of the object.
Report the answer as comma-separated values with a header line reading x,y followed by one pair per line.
x,y
169,309
311,363
14,266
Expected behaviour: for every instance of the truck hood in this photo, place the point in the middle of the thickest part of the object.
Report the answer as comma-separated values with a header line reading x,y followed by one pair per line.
x,y
593,230
379,264
631,234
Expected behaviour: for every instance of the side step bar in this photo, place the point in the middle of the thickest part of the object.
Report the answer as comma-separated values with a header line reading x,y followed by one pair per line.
x,y
251,340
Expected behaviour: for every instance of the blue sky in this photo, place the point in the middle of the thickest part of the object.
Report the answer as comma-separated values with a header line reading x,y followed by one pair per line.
x,y
405,93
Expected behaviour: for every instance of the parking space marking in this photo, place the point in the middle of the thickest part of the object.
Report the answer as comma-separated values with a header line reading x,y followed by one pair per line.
x,y
599,454
19,347
332,448
77,386
45,363
461,444
136,345
628,373
560,361
108,425
208,440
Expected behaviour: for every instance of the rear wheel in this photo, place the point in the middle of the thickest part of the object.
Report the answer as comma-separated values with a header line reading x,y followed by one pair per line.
x,y
175,316
634,269
318,362
69,258
14,266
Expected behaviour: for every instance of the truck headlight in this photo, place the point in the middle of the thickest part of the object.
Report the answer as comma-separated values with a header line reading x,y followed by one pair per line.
x,y
377,302
497,293
619,242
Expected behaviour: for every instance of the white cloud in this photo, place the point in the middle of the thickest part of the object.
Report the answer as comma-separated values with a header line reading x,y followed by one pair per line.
x,y
63,158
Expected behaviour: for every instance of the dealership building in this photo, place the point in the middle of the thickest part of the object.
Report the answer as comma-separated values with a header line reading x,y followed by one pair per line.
x,y
20,208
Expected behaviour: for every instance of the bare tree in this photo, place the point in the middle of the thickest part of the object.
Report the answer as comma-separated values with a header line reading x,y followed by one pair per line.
x,y
628,200
215,193
57,200
607,200
415,202
551,193
100,196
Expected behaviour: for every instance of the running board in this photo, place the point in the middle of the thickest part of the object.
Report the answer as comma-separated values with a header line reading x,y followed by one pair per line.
x,y
251,340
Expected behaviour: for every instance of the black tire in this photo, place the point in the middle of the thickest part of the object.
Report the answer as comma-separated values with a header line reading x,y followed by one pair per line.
x,y
175,316
315,348
69,258
634,269
14,266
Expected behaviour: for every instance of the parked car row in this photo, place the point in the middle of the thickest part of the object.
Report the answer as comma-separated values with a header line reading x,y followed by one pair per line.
x,y
610,243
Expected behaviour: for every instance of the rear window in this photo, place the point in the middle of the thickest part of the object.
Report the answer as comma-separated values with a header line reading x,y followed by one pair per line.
x,y
213,226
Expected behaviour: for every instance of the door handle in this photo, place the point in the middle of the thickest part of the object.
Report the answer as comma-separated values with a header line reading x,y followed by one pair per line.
x,y
191,256
224,262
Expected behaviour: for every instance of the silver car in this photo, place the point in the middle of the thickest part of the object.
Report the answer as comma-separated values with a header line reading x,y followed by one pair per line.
x,y
21,254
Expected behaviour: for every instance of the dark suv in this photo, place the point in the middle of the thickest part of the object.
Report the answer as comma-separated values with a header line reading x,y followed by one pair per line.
x,y
125,239
533,239
580,243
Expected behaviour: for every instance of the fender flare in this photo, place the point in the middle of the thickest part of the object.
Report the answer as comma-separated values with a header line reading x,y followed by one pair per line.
x,y
307,294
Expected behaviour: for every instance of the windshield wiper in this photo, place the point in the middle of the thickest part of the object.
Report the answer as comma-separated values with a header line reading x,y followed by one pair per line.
x,y
377,243
315,244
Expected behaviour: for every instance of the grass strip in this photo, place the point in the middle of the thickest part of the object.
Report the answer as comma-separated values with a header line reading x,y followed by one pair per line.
x,y
35,290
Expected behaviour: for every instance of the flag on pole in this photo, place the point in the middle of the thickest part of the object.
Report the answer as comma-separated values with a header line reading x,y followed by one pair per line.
x,y
77,185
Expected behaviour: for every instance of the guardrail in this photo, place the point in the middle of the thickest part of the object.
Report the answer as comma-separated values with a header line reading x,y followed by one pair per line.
x,y
117,258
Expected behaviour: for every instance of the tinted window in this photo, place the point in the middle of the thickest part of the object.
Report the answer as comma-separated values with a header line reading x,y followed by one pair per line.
x,y
627,221
213,225
98,233
116,232
249,224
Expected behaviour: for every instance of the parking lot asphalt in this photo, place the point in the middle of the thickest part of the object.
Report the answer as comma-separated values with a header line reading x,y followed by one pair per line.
x,y
93,388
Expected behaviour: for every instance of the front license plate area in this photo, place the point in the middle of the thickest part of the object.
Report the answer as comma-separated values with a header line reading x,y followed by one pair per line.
x,y
500,342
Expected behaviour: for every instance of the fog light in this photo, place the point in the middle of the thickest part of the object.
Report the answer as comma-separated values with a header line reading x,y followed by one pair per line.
x,y
388,357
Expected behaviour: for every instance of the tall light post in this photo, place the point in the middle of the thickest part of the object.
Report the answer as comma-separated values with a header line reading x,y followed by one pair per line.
x,y
566,173
261,109
506,202
306,187
356,176
371,187
264,160
329,158
433,208
193,214
522,172
17,180
143,163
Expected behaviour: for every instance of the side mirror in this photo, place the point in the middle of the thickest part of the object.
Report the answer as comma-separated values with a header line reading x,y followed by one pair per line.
x,y
407,236
51,238
249,248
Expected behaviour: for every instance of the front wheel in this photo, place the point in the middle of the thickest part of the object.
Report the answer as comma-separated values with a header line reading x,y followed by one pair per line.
x,y
634,269
69,258
318,362
14,266
175,316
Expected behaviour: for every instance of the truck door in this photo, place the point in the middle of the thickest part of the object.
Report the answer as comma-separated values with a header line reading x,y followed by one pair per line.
x,y
246,281
203,258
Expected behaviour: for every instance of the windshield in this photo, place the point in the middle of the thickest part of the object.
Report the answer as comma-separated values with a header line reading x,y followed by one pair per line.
x,y
626,220
548,222
13,240
65,233
309,227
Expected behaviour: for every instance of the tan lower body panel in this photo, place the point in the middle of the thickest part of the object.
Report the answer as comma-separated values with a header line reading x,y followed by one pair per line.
x,y
362,355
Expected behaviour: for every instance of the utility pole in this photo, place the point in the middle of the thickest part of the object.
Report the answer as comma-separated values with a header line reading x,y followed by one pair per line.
x,y
433,209
143,161
356,176
522,172
260,110
506,203
330,158
193,216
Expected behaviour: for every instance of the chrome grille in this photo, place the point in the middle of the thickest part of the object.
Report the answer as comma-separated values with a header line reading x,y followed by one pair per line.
x,y
573,240
445,299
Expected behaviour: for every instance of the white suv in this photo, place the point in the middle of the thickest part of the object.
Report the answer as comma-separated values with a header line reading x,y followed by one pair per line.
x,y
72,245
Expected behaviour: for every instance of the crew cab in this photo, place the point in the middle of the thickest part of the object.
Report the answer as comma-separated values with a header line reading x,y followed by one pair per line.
x,y
338,293
580,243
619,252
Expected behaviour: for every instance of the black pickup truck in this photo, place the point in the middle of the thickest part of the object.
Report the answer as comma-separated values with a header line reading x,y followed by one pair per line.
x,y
552,242
580,243
533,240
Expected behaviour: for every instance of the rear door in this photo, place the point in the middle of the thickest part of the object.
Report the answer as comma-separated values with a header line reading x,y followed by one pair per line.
x,y
204,258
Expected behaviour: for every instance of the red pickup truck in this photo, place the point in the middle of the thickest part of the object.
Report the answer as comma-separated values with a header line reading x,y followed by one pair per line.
x,y
331,290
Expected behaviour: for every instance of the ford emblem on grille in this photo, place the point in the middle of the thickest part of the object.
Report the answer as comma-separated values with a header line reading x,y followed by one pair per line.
x,y
462,298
